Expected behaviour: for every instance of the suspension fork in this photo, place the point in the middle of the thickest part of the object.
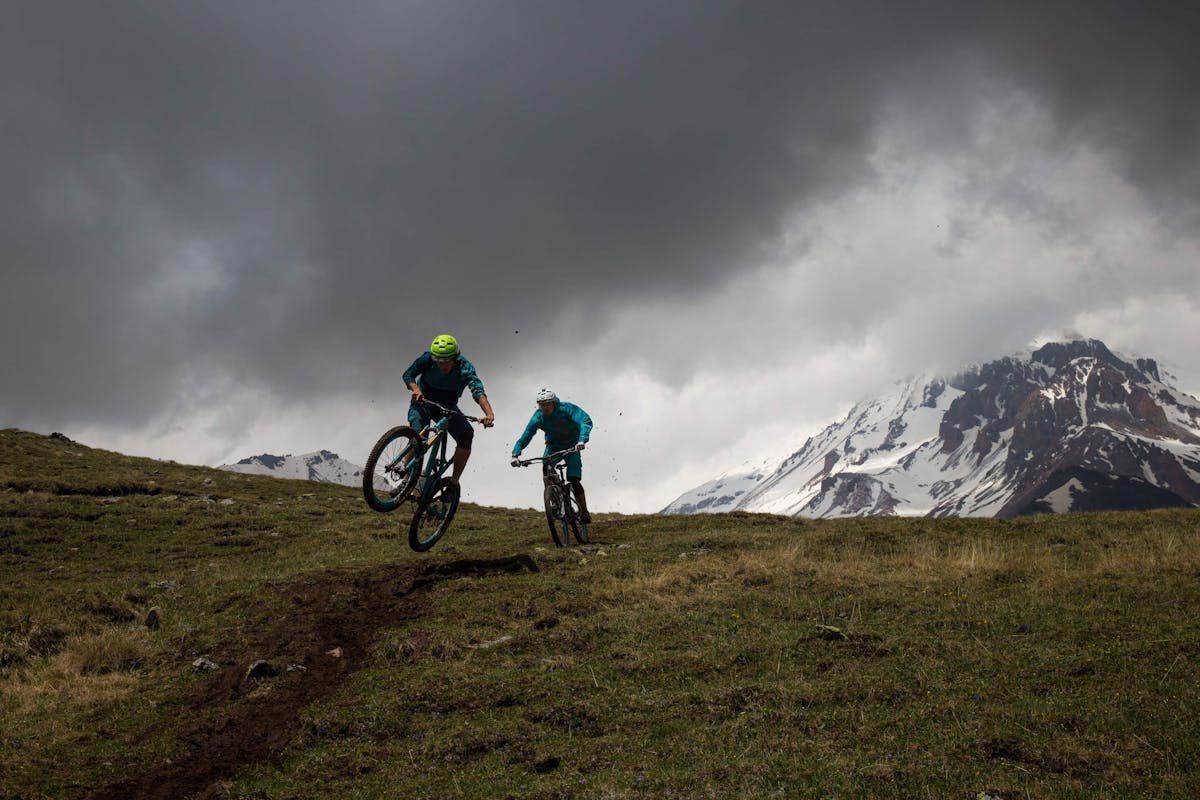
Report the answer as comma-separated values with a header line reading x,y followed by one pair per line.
x,y
435,463
564,501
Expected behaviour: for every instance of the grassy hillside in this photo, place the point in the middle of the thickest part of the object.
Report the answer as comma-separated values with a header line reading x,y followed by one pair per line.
x,y
708,656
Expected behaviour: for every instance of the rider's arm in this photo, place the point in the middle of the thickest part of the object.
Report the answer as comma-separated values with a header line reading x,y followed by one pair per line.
x,y
418,368
488,416
585,422
534,423
466,371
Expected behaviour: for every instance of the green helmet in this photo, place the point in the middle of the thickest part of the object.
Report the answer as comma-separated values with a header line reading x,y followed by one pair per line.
x,y
444,347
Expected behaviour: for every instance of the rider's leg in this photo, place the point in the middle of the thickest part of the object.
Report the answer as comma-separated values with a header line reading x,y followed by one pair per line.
x,y
418,418
575,478
463,435
461,454
580,498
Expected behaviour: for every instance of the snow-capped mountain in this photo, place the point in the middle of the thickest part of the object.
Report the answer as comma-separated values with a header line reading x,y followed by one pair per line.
x,y
1069,427
319,466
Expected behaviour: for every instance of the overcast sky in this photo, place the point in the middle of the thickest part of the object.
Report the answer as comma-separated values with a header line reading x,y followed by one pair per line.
x,y
226,228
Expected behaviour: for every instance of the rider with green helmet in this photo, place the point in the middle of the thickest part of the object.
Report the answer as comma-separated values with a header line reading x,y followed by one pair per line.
x,y
565,425
441,373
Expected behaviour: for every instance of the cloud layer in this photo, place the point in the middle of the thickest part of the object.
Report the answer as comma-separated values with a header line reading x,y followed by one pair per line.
x,y
228,227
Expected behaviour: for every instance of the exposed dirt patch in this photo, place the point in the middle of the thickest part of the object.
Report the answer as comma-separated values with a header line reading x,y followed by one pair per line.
x,y
230,720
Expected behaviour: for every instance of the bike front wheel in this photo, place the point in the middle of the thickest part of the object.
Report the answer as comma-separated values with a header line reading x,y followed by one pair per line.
x,y
563,525
433,518
392,469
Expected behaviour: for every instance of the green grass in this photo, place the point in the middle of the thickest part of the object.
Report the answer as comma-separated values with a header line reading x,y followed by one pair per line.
x,y
1047,657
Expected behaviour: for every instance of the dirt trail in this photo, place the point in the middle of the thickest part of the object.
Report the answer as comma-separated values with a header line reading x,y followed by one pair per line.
x,y
258,718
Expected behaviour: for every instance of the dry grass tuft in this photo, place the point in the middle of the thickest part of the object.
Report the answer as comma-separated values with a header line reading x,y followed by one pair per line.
x,y
110,651
52,669
23,638
422,647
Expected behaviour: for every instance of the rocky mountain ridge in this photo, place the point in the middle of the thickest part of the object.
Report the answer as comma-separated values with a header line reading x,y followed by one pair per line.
x,y
1070,426
320,465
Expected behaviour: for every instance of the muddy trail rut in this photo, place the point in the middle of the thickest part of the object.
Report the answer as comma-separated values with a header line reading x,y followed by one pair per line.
x,y
230,721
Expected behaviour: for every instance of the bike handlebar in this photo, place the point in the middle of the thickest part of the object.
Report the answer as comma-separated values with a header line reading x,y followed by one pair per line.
x,y
446,410
525,462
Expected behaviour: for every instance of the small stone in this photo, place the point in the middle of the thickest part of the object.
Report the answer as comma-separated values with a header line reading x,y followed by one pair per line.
x,y
203,664
261,669
335,652
227,502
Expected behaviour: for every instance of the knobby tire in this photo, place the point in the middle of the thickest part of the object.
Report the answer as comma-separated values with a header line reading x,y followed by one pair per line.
x,y
438,512
385,491
557,510
553,498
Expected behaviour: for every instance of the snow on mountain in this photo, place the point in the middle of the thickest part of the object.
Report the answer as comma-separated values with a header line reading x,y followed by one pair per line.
x,y
725,492
321,465
1070,426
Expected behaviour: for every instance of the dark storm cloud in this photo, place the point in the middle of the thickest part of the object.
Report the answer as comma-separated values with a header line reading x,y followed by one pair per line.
x,y
285,193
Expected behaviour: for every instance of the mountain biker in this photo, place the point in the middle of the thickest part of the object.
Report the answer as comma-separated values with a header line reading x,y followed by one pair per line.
x,y
565,425
441,373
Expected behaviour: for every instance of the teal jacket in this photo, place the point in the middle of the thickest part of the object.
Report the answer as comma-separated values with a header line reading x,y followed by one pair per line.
x,y
444,389
565,426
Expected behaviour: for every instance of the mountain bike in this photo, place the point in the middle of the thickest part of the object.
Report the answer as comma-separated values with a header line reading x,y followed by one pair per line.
x,y
562,514
394,470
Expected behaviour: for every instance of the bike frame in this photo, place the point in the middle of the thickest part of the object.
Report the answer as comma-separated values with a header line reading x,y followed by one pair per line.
x,y
557,474
415,471
437,463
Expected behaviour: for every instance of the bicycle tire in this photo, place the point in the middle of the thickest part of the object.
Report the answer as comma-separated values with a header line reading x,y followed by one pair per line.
x,y
439,511
553,499
385,490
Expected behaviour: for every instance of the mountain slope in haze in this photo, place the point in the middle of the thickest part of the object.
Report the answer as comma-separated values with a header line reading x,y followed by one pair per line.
x,y
321,465
1071,426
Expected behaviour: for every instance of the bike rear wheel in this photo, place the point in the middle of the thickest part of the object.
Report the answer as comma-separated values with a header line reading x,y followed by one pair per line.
x,y
580,528
387,479
571,515
433,518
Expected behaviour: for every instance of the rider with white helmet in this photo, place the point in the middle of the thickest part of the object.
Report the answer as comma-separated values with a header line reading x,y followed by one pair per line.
x,y
565,425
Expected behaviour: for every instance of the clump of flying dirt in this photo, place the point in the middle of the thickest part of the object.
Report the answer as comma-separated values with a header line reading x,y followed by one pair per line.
x,y
233,720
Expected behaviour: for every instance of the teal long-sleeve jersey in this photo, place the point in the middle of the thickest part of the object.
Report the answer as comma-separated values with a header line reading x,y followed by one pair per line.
x,y
445,389
565,426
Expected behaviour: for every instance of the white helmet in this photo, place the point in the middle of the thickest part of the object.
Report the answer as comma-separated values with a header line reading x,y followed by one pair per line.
x,y
546,396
